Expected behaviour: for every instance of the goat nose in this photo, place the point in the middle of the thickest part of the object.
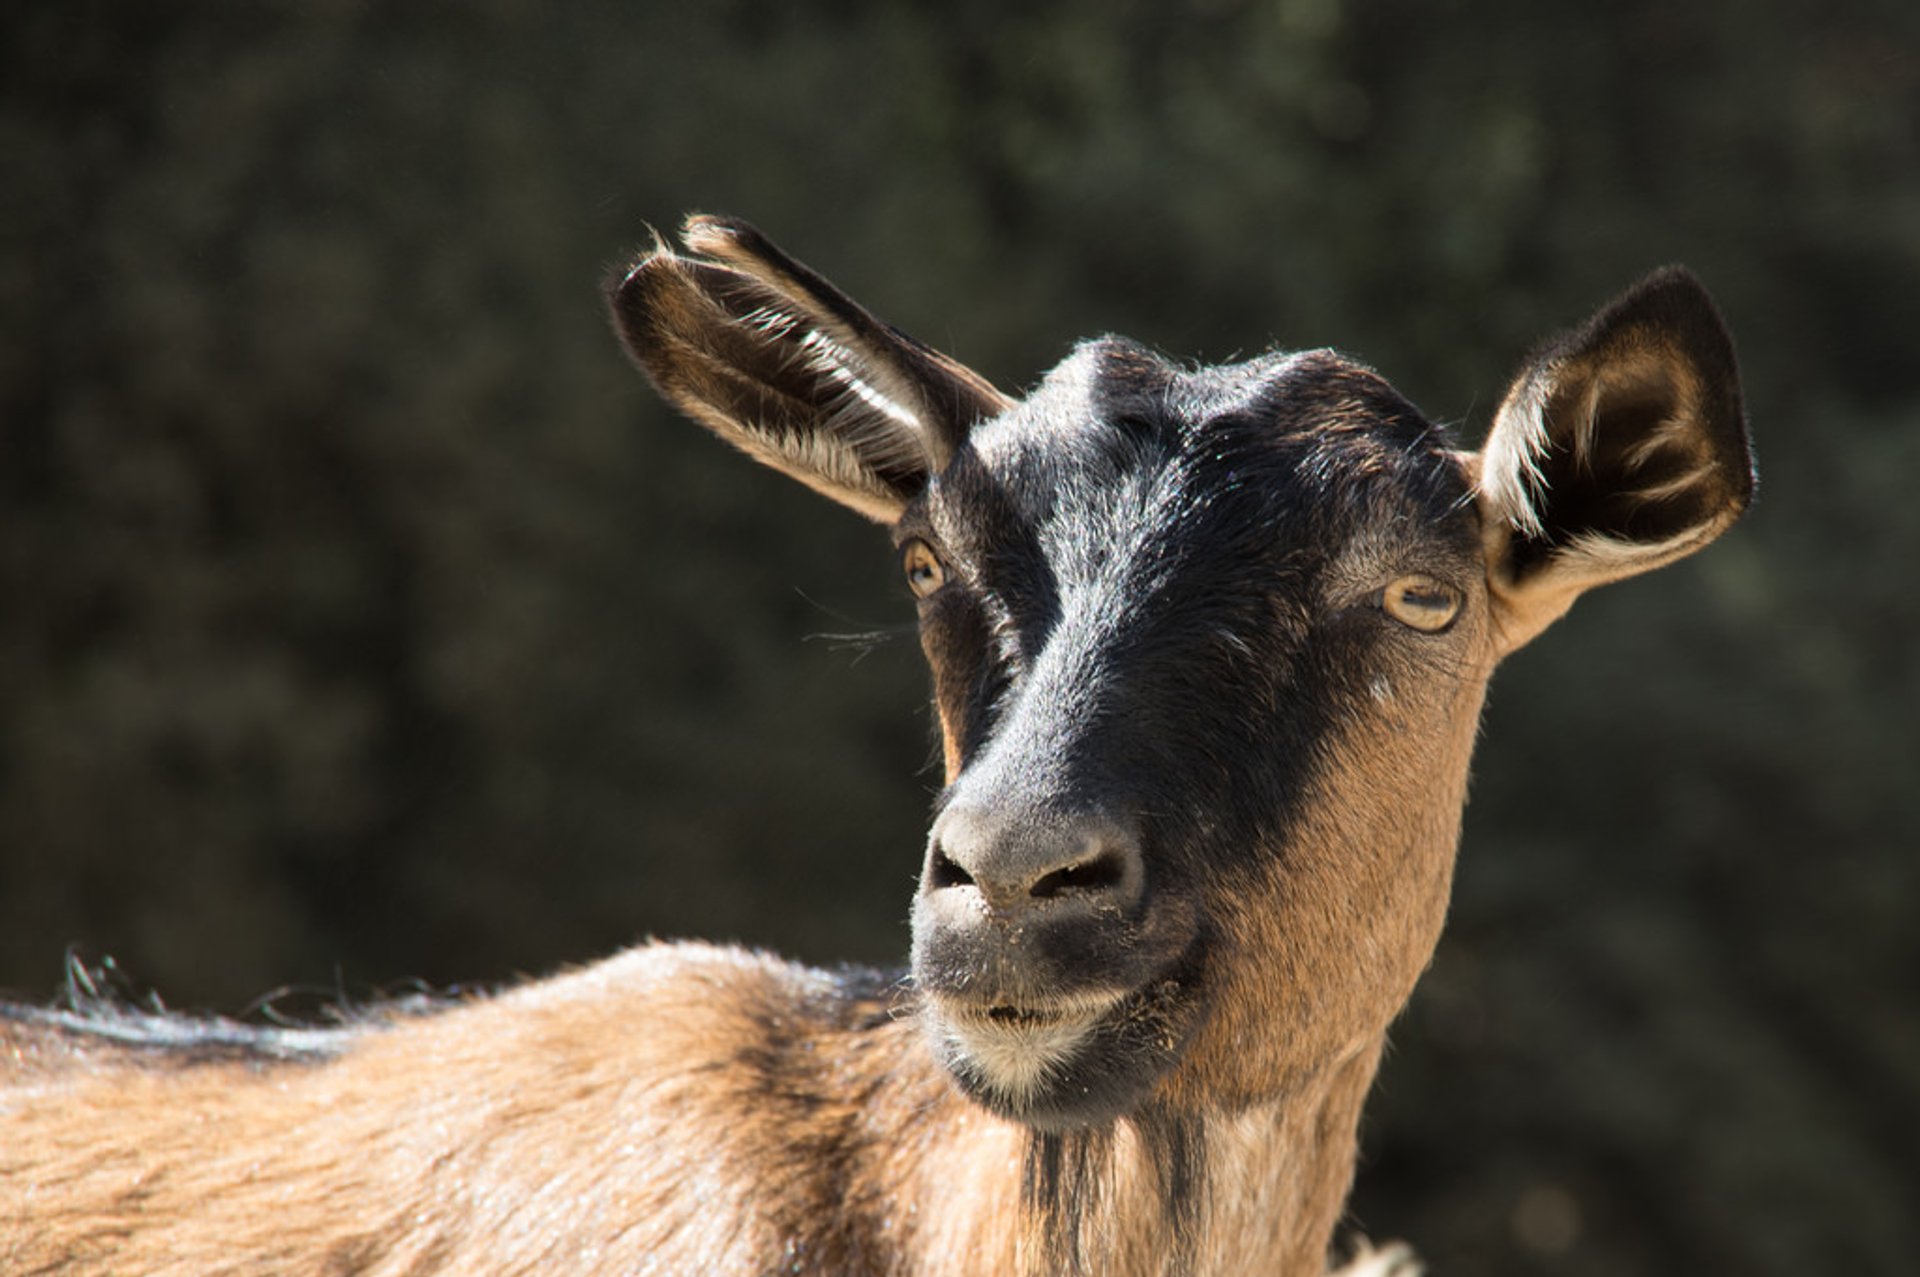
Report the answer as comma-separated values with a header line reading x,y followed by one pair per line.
x,y
1022,864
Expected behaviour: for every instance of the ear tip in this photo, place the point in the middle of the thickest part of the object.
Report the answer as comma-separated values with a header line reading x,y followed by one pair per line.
x,y
1676,275
718,234
624,286
1674,295
618,280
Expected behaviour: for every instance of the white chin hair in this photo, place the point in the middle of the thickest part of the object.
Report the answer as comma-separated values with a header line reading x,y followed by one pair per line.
x,y
1016,1063
1017,1057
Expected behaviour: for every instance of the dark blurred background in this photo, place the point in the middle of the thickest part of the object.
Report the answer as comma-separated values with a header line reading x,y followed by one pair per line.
x,y
364,619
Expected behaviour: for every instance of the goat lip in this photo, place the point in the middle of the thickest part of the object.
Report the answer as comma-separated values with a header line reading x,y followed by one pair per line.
x,y
1015,1015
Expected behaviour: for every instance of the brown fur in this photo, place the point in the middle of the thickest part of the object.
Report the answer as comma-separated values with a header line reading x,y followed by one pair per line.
x,y
676,1109
690,1109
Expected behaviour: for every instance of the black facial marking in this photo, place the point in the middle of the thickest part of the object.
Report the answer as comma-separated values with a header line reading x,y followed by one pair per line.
x,y
1163,606
1179,528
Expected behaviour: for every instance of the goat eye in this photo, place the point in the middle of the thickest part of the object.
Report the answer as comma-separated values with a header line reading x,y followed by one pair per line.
x,y
1422,603
925,574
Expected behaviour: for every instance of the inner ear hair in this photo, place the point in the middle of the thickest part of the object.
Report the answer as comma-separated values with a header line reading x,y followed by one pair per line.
x,y
1614,462
1623,445
944,395
724,350
1619,448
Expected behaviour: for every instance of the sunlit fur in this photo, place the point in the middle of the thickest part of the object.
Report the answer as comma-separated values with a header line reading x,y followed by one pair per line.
x,y
1204,792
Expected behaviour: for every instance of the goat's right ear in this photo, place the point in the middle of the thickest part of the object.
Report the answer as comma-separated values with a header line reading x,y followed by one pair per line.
x,y
1618,449
786,367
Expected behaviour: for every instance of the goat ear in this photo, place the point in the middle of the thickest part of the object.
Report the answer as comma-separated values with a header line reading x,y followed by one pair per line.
x,y
780,363
1619,448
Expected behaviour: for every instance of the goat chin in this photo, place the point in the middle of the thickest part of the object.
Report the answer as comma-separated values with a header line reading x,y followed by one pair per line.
x,y
1014,1057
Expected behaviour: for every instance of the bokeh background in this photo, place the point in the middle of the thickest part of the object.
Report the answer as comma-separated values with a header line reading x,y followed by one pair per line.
x,y
364,620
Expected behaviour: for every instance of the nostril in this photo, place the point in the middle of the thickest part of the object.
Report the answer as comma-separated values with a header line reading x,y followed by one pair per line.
x,y
943,871
1106,871
1017,860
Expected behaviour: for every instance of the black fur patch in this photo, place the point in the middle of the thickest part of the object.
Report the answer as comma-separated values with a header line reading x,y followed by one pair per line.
x,y
1151,611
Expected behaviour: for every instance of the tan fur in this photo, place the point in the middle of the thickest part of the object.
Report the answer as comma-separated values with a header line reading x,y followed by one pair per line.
x,y
492,1138
601,1122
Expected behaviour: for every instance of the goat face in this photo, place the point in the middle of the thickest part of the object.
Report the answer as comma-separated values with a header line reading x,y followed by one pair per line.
x,y
1208,648
1157,607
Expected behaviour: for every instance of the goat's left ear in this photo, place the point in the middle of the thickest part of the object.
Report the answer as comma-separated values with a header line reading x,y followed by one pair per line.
x,y
1621,447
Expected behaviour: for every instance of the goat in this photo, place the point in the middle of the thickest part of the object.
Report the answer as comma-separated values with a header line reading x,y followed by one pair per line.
x,y
1208,650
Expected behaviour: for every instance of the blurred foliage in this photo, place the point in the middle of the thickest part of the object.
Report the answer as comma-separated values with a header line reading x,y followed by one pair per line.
x,y
362,617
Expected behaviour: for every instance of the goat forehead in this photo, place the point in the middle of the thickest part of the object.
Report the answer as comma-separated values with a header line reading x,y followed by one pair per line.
x,y
1116,445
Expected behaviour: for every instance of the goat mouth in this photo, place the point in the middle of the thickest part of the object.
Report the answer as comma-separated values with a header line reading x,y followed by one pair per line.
x,y
1059,1038
1013,1017
1055,1064
1012,1021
